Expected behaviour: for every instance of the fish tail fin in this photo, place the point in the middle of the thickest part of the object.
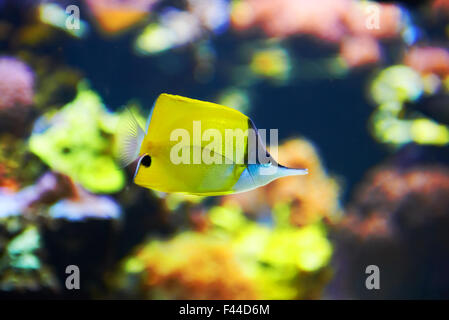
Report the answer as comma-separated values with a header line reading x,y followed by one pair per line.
x,y
129,138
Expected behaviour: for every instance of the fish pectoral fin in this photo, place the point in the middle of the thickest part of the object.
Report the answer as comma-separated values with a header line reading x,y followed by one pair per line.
x,y
129,138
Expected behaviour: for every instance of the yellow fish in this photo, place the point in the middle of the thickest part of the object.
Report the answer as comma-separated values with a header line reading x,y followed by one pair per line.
x,y
201,148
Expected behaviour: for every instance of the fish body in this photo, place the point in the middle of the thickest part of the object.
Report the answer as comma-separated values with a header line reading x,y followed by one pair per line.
x,y
201,148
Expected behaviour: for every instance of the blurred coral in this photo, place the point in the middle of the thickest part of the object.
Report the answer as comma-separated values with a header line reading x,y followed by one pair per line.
x,y
273,63
114,16
326,19
358,51
355,25
179,27
192,267
428,60
235,98
21,261
213,14
55,15
18,167
382,196
288,17
11,205
51,187
311,197
234,258
57,84
16,83
397,220
78,141
378,20
285,240
16,95
440,6
396,83
392,89
84,206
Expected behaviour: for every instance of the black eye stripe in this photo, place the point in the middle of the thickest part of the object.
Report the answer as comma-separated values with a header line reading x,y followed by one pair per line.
x,y
146,161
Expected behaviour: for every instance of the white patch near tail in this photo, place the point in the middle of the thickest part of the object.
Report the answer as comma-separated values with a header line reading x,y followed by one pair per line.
x,y
130,136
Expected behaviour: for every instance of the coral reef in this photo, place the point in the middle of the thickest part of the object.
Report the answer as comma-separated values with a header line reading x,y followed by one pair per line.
x,y
78,141
234,258
309,198
396,221
30,221
428,60
309,68
17,83
16,94
115,16
21,265
180,27
216,274
355,25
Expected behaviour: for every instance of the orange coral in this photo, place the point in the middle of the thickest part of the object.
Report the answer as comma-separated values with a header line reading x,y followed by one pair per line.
x,y
398,220
6,182
420,193
355,25
358,51
287,17
311,197
428,60
114,16
440,5
327,19
192,267
373,19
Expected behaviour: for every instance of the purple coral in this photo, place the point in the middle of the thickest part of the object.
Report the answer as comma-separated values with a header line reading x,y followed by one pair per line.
x,y
16,83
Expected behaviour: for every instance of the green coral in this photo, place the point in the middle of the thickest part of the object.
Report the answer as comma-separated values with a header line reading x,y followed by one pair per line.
x,y
280,261
21,248
78,141
282,258
391,123
21,263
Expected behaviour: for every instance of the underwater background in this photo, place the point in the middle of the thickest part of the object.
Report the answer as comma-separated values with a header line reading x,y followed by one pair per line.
x,y
359,91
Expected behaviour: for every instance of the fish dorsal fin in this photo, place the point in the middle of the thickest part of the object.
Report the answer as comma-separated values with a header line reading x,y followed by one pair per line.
x,y
130,136
147,125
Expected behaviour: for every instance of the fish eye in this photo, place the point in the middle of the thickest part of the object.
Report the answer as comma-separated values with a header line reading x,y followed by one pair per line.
x,y
146,161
